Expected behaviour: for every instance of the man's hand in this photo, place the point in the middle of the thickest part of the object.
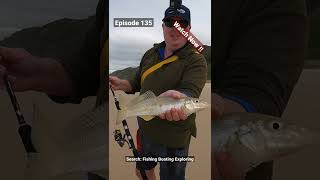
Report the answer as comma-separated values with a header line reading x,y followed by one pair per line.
x,y
21,67
28,72
119,84
174,114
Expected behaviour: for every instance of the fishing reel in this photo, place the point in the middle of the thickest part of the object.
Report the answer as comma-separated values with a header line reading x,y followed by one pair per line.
x,y
119,138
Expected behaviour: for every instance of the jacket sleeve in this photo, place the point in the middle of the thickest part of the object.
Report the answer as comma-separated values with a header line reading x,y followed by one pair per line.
x,y
194,76
267,53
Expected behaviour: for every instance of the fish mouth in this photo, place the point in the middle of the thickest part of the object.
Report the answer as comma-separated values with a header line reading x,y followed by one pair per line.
x,y
304,138
205,105
308,136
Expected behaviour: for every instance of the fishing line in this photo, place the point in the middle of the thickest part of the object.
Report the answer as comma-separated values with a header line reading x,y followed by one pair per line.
x,y
120,140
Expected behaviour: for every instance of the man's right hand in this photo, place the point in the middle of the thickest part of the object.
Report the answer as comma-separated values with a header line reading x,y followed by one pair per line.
x,y
28,72
21,67
119,84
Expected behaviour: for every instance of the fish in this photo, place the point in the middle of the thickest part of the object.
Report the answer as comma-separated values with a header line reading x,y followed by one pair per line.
x,y
148,105
252,138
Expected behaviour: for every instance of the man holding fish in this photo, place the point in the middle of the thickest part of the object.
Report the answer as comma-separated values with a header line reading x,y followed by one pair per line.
x,y
182,73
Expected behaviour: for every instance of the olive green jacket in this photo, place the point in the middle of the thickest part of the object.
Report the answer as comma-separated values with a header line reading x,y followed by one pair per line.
x,y
188,74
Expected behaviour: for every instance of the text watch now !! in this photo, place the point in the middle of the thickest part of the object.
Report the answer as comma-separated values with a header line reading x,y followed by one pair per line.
x,y
189,36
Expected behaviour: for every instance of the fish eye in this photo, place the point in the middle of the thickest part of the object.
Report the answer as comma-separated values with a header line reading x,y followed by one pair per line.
x,y
196,101
275,125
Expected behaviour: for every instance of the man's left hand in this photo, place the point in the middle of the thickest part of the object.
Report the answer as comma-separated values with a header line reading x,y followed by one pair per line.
x,y
174,114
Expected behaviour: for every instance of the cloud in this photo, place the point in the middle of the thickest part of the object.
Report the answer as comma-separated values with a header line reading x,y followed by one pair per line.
x,y
127,46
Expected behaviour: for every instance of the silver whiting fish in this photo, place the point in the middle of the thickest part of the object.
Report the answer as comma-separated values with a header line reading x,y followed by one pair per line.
x,y
148,105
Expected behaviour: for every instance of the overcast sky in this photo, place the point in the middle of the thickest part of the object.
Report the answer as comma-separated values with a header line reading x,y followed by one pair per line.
x,y
128,44
18,14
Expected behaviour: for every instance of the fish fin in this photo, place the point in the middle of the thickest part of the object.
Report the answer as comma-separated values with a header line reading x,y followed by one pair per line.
x,y
147,117
141,98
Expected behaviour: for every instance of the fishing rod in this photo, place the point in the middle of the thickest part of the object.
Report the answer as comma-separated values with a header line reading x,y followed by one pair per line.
x,y
24,128
122,139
